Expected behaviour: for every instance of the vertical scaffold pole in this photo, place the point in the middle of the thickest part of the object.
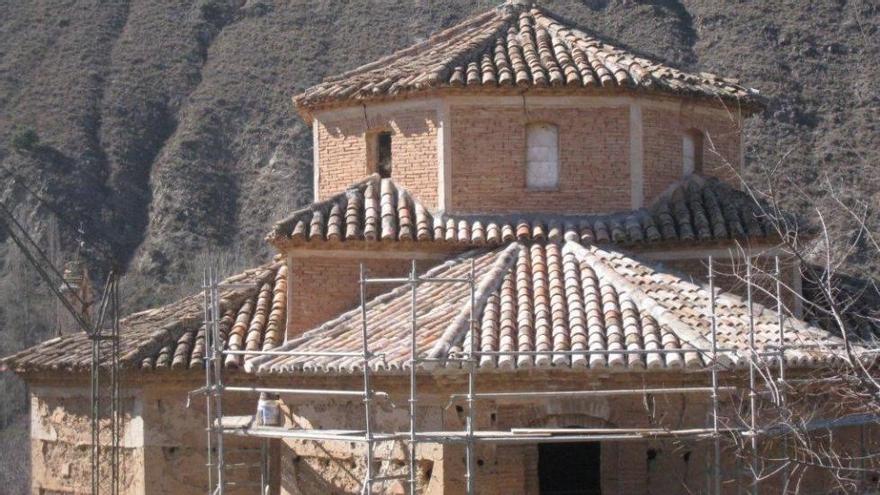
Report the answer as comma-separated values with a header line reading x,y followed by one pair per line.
x,y
471,403
413,280
753,362
209,386
96,409
368,390
115,413
217,355
264,466
781,385
716,474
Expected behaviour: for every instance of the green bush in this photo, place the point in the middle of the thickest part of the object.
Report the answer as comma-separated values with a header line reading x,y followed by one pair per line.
x,y
25,139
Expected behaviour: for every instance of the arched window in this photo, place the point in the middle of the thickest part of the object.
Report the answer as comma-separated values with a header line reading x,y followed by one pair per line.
x,y
692,152
542,156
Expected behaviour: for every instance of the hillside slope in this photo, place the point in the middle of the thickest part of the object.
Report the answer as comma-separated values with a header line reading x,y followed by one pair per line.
x,y
166,127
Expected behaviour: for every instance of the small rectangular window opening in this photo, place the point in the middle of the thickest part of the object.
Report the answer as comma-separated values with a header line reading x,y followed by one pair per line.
x,y
692,152
383,154
542,156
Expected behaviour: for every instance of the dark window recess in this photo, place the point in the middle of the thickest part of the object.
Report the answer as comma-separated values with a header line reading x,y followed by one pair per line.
x,y
383,154
698,152
569,469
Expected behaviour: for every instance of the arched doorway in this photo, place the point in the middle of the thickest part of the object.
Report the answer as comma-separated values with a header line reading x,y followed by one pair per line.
x,y
569,468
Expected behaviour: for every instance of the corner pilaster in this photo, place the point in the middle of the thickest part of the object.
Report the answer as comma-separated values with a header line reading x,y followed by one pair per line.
x,y
636,156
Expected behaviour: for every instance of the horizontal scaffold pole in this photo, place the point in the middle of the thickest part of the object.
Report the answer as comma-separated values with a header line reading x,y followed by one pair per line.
x,y
591,393
297,353
305,392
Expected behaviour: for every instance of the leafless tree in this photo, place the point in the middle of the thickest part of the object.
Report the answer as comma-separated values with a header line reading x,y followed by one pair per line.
x,y
820,424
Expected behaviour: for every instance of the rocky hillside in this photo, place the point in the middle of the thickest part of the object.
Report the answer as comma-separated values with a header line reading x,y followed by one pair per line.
x,y
165,127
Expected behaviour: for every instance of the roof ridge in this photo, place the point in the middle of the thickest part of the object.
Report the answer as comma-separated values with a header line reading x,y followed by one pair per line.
x,y
544,296
289,222
460,29
172,331
381,188
253,365
533,47
683,183
799,327
459,326
145,334
658,311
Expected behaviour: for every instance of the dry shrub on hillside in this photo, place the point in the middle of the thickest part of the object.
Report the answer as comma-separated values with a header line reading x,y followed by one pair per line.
x,y
15,461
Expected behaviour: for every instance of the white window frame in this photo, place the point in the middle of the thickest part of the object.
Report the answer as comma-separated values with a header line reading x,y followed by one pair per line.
x,y
691,152
542,156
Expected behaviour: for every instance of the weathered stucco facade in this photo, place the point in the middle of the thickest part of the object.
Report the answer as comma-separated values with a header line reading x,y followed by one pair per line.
x,y
61,439
653,466
164,440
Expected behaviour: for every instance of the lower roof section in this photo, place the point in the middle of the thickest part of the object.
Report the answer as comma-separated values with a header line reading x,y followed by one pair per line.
x,y
172,337
549,306
538,305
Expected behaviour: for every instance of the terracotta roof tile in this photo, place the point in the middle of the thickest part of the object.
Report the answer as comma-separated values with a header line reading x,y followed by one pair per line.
x,y
173,337
552,298
513,47
378,210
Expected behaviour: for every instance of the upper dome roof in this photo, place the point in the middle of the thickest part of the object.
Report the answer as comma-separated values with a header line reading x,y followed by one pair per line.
x,y
513,47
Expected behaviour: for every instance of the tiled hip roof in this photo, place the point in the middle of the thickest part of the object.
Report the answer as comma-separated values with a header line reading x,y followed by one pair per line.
x,y
173,336
378,210
546,301
538,305
510,48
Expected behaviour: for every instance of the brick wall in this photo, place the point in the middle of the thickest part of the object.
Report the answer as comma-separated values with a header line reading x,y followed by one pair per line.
x,y
488,152
488,160
343,155
322,288
663,130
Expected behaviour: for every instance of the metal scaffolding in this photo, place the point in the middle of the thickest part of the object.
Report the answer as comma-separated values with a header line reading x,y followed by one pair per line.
x,y
470,436
101,362
101,331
